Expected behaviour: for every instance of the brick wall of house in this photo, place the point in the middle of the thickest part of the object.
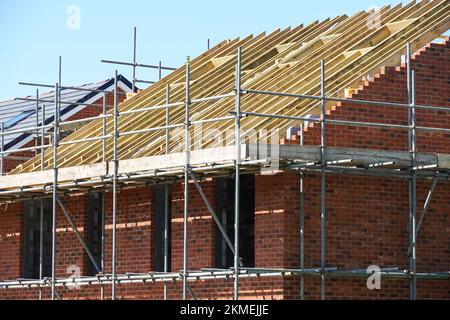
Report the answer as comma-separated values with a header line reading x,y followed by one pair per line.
x,y
136,248
366,216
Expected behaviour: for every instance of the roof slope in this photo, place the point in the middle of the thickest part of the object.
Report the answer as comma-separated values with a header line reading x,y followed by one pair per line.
x,y
284,61
17,114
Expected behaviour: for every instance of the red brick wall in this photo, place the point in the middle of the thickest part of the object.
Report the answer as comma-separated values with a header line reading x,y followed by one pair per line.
x,y
366,225
135,251
276,214
431,66
10,240
366,216
10,164
200,228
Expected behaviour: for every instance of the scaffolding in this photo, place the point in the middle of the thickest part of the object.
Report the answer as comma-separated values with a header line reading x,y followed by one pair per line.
x,y
236,160
134,65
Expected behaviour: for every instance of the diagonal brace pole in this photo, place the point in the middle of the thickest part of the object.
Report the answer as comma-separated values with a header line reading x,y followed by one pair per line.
x,y
426,206
77,232
191,292
214,215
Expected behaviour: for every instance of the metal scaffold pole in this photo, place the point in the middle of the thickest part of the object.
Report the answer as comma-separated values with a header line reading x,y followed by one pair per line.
x,y
134,60
104,111
41,218
43,138
135,65
302,221
413,179
59,86
166,197
36,136
409,89
408,86
102,258
186,181
237,142
55,188
115,181
414,193
57,110
246,273
323,183
41,244
237,173
56,133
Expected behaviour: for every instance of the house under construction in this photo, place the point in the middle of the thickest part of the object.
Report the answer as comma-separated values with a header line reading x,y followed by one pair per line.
x,y
288,165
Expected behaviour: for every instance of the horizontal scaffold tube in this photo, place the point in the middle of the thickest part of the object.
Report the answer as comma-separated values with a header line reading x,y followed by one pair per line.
x,y
105,279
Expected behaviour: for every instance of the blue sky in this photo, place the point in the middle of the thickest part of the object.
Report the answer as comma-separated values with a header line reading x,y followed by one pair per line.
x,y
35,33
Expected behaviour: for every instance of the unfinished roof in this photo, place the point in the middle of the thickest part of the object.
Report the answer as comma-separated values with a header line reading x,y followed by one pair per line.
x,y
283,60
18,114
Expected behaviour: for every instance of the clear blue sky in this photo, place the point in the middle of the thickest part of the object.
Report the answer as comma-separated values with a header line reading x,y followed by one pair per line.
x,y
35,33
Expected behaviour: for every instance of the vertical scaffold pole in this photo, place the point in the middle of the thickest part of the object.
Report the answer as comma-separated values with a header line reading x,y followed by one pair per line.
x,y
55,187
60,85
408,84
102,260
237,142
102,254
41,209
134,60
302,222
56,134
41,218
43,139
115,176
414,190
186,181
36,135
166,197
413,178
104,128
323,186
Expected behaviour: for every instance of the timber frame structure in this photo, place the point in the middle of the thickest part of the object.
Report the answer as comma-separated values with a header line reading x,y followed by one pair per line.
x,y
268,81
